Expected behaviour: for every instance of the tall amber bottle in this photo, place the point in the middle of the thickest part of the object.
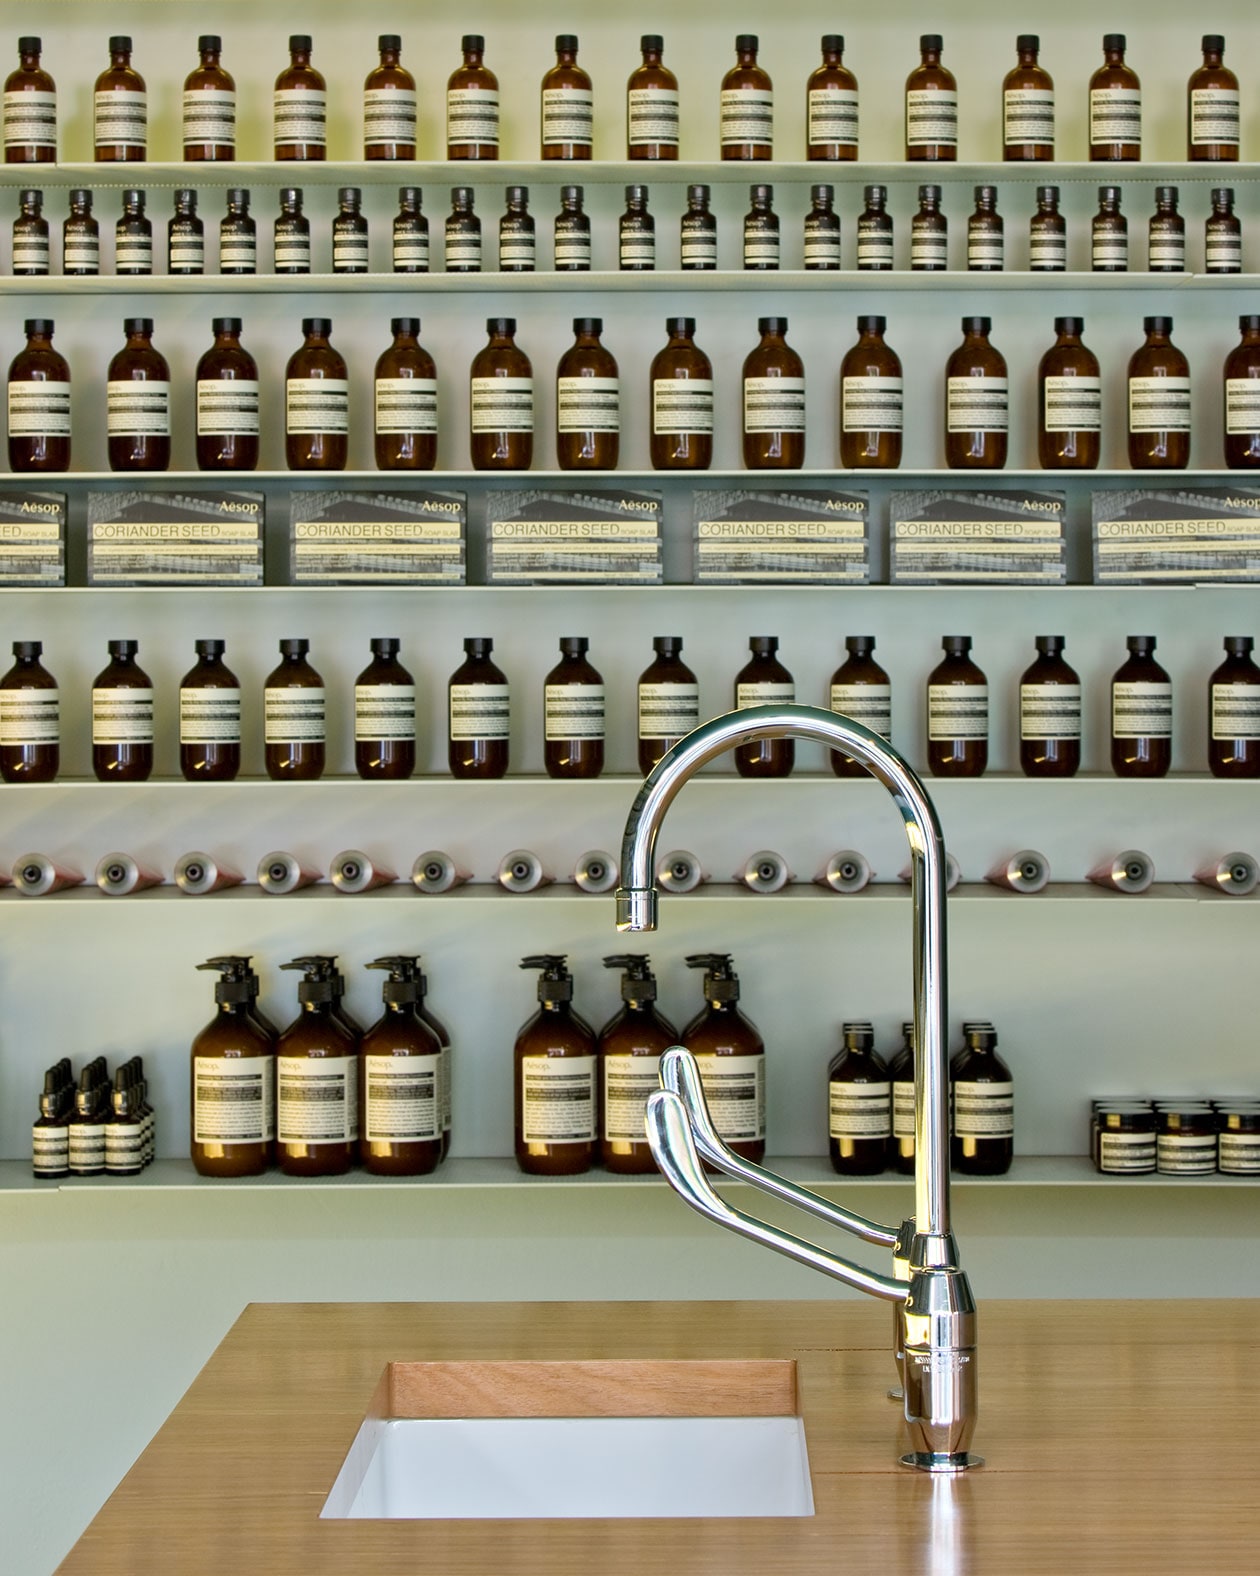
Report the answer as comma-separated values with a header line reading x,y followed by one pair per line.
x,y
209,107
983,1141
385,715
870,401
400,1072
405,402
859,1105
291,234
185,236
1028,106
30,109
831,105
316,403
472,105
747,105
1069,402
120,109
227,402
568,105
502,402
30,718
389,105
1242,397
731,1056
1141,713
861,690
556,1088
210,718
1115,106
976,402
39,403
630,1047
479,714
931,106
573,713
652,105
122,718
668,701
1049,713
138,403
957,713
588,402
232,1086
764,681
294,725
774,401
300,106
1159,401
681,402
1233,712
317,1083
1212,107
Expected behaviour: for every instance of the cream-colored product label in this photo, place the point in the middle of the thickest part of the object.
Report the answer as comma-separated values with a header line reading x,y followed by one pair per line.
x,y
209,716
317,1099
517,249
573,249
1049,711
186,253
1141,710
350,252
444,1077
652,117
573,711
479,711
81,254
903,1108
50,1150
406,405
314,405
1073,404
747,115
463,250
958,711
698,247
984,1110
384,711
628,1081
1115,115
122,716
30,120
761,248
30,253
735,1092
774,404
1190,1154
636,248
682,405
859,1110
1239,1153
588,405
294,714
301,115
87,1147
472,115
822,247
1126,1151
1028,117
874,245
125,1144
1222,252
985,249
931,117
293,254
1159,404
43,410
411,251
1235,711
747,695
209,117
227,407
30,716
568,115
977,405
503,404
234,1099
668,711
403,1100
558,1099
389,115
871,404
1047,250
1214,116
120,120
832,116
1110,250
1167,251
1242,406
133,254
869,704
929,248
138,409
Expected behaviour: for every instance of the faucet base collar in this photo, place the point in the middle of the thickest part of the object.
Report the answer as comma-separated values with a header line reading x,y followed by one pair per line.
x,y
943,1463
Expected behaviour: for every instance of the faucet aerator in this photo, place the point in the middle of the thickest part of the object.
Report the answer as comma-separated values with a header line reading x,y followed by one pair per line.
x,y
636,908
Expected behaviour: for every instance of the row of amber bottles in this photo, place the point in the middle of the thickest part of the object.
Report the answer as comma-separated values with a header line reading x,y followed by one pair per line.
x,y
567,106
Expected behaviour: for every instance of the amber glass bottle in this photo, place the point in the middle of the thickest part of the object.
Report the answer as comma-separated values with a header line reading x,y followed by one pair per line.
x,y
774,401
1049,713
1242,397
463,234
573,713
1166,234
875,232
209,107
185,236
80,237
976,409
384,715
957,713
764,681
133,237
588,402
120,109
697,238
405,396
316,403
32,256
556,1088
571,234
1233,712
929,233
317,1083
870,401
1141,713
1212,106
636,234
1222,235
400,1071
568,105
30,109
232,1086
983,1140
472,105
300,106
901,1077
931,106
138,403
761,230
668,701
210,718
1047,234
39,403
747,105
1109,234
862,691
410,235
30,718
731,1056
227,402
501,393
122,718
294,727
1028,106
822,230
1115,106
350,254
479,714
518,242
389,105
681,402
444,1040
630,1047
1159,401
831,105
1069,402
986,234
859,1105
652,105
292,234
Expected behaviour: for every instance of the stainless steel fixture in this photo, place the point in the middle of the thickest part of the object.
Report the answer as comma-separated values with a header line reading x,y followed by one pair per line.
x,y
1131,871
936,1322
1026,871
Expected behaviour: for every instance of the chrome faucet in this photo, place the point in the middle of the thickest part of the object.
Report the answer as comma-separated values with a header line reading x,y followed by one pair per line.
x,y
935,1311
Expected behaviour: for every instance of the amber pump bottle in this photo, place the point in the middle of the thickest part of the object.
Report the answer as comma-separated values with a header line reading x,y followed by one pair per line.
x,y
479,714
568,105
209,718
409,236
300,106
133,237
209,107
573,713
652,105
870,401
1069,402
32,254
122,718
1242,397
588,402
445,1065
571,234
681,402
1047,234
931,106
400,1071
238,235
862,691
1159,401
859,1105
232,1082
317,1082
138,403
668,701
502,402
1222,235
389,105
556,1088
976,401
120,109
1049,713
292,234
731,1056
901,1077
294,727
630,1047
39,403
764,681
831,106
472,105
518,241
1212,107
30,109
1115,106
1141,713
1028,106
747,105
30,718
983,1141
227,402
957,713
385,715
1233,712
774,401
405,402
316,403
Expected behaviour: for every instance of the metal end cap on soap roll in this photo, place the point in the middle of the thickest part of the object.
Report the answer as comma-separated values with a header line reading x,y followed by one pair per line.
x,y
596,872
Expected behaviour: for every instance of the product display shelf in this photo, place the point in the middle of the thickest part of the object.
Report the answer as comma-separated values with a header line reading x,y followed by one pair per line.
x,y
760,480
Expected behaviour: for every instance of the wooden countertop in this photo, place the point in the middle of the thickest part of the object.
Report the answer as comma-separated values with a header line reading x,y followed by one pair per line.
x,y
1120,1437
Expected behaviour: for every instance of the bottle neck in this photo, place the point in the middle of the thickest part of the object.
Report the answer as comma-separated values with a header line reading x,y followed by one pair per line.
x,y
299,57
473,58
651,57
389,57
138,340
747,58
1067,336
499,340
1047,205
314,342
1213,59
294,659
1114,57
37,341
975,336
585,339
210,59
566,57
678,339
119,58
1156,336
1028,58
772,337
209,659
930,57
30,60
404,339
874,205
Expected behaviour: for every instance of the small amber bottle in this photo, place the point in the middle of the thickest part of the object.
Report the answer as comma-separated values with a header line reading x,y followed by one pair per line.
x,y
227,402
697,240
1049,713
774,401
138,403
1212,107
518,246
316,403
385,716
1159,401
761,231
1047,234
292,234
31,251
30,718
681,402
80,237
1222,235
1141,713
479,714
410,234
232,1084
1069,402
1115,106
209,718
568,105
122,718
501,392
30,109
39,403
1166,234
588,402
731,1056
630,1047
1242,397
556,1089
875,232
401,1068
1028,106
133,237
405,401
929,233
931,106
870,401
350,233
862,691
571,234
317,1082
294,726
957,713
120,109
573,713
831,105
821,249
668,701
389,105
764,681
209,107
652,105
636,234
859,1105
300,106
747,105
986,234
472,105
1233,712
983,1140
463,234
1109,234
185,236
976,408
901,1076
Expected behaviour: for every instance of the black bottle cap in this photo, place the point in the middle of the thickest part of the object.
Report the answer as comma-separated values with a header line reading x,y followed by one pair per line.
x,y
571,194
501,325
652,42
238,195
1109,194
566,43
1069,325
81,195
574,645
32,194
404,325
384,645
1235,645
931,42
473,44
1140,645
185,197
351,195
410,194
872,195
1157,325
956,645
518,194
28,648
772,325
976,325
319,327
119,44
986,193
859,1036
133,198
747,43
389,41
588,325
210,43
1166,194
291,194
1049,645
38,325
667,645
461,194
137,325
1114,41
822,193
859,645
833,43
209,648
556,983
1249,323
1047,194
122,648
698,194
636,193
685,326
225,325
1213,43
761,193
929,194
872,325
720,981
30,45
299,43
1027,41
981,1038
478,646
1220,194
294,647
763,645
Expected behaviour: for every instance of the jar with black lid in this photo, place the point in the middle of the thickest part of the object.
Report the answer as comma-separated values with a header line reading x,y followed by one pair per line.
x,y
1124,1139
1239,1137
1187,1139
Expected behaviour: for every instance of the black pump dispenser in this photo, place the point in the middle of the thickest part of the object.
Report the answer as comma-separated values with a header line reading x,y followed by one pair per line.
x,y
234,988
401,989
556,983
638,983
721,983
319,986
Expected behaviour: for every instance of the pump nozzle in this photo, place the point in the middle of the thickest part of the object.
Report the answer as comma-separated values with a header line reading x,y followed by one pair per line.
x,y
556,983
400,965
235,985
721,983
320,982
638,983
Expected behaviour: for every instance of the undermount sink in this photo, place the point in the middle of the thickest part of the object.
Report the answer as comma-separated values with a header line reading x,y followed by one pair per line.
x,y
491,1440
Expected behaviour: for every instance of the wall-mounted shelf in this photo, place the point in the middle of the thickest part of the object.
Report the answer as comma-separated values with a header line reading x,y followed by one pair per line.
x,y
631,476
